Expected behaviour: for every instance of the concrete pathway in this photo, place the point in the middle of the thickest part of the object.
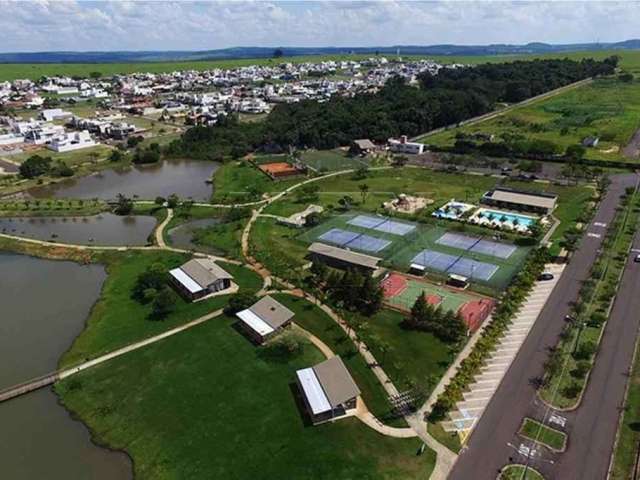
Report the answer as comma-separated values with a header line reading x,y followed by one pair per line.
x,y
160,229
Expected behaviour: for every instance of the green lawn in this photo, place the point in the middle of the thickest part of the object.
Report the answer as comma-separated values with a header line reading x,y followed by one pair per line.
x,y
331,160
117,320
92,154
211,406
412,358
519,472
607,108
238,181
223,239
311,318
539,433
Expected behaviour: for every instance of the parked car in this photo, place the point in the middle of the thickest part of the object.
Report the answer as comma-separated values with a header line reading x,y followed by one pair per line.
x,y
637,258
545,276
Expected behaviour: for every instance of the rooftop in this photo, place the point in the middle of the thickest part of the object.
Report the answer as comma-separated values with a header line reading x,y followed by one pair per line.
x,y
543,200
344,255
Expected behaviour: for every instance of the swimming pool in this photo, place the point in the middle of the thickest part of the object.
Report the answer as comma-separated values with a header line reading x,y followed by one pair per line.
x,y
500,215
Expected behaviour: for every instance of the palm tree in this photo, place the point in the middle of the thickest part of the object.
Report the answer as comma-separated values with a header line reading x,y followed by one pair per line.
x,y
364,190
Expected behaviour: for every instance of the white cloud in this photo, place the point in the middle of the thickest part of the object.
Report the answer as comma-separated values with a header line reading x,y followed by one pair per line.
x,y
46,25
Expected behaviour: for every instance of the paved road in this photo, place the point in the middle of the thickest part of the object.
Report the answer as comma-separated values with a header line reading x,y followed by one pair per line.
x,y
488,447
595,423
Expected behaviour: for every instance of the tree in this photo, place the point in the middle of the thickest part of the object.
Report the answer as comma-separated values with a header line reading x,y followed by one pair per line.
x,y
95,75
149,282
124,205
159,201
238,302
364,191
35,166
626,77
278,53
575,152
346,202
312,219
163,304
370,297
173,201
116,156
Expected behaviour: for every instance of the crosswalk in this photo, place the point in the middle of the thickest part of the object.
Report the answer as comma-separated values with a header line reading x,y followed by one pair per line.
x,y
470,409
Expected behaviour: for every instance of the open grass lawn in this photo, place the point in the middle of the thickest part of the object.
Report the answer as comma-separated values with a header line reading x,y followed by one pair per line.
x,y
311,318
607,108
413,358
92,154
277,247
451,440
539,433
211,406
332,160
238,181
519,472
117,320
223,239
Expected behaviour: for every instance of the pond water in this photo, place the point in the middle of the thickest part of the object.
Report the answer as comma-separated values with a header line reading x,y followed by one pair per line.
x,y
182,235
44,307
186,178
103,229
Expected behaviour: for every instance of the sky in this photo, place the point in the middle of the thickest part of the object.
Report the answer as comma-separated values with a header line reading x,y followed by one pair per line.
x,y
78,25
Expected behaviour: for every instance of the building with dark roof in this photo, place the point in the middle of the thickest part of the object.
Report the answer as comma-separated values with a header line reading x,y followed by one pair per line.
x,y
344,259
200,277
328,389
536,202
264,319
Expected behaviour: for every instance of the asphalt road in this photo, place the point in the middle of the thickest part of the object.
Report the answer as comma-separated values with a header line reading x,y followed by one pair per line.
x,y
595,423
493,442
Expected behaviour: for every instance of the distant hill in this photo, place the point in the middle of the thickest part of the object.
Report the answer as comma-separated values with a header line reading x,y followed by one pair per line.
x,y
263,52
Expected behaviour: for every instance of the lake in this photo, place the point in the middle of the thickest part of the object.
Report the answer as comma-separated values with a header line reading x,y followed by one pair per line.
x,y
44,307
185,178
103,229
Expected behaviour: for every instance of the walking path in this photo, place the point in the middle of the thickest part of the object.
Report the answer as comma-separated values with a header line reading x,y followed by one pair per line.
x,y
160,229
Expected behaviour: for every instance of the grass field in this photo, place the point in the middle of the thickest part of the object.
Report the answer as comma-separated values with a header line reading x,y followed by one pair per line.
x,y
332,160
539,433
117,319
412,358
607,108
211,406
238,181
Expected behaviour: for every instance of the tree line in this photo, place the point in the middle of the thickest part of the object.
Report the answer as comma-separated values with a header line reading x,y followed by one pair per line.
x,y
451,96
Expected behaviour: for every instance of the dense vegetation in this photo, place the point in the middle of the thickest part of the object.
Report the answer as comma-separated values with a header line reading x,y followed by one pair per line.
x,y
448,98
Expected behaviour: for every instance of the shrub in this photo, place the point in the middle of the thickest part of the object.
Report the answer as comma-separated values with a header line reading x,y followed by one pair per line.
x,y
163,304
283,348
572,390
238,302
585,351
581,370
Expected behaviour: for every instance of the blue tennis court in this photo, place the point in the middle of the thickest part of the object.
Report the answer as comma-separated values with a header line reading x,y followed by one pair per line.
x,y
458,240
473,269
495,249
358,241
368,244
338,236
435,260
382,224
477,245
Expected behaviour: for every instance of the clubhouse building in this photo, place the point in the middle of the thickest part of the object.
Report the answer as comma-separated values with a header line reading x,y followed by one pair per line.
x,y
343,259
541,203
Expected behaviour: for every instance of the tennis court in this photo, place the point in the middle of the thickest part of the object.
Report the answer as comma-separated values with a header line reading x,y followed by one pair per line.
x,y
401,292
382,224
355,240
443,262
477,245
483,261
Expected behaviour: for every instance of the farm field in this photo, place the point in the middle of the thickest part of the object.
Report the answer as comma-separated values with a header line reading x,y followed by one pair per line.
x,y
606,108
210,390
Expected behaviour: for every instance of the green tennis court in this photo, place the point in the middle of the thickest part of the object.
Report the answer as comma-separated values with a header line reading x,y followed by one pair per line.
x,y
406,297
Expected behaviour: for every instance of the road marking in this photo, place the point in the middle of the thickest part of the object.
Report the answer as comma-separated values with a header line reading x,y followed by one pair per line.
x,y
594,235
635,250
558,419
599,224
